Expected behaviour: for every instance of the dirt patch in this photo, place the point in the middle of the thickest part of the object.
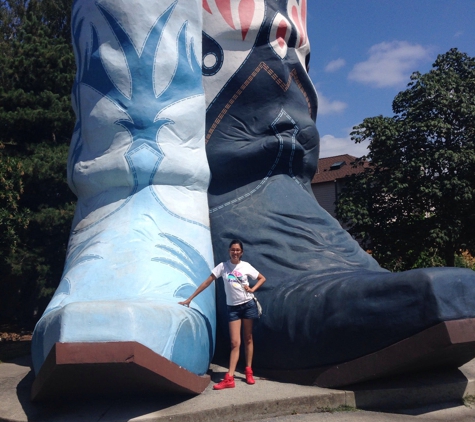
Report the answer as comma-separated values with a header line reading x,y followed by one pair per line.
x,y
14,343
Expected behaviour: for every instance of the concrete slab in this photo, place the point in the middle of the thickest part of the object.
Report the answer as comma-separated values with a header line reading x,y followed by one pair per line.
x,y
265,399
416,390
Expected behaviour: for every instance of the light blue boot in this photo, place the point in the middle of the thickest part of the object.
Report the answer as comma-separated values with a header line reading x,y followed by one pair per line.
x,y
140,239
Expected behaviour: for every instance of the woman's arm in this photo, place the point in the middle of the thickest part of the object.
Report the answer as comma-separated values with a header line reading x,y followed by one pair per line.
x,y
199,289
260,281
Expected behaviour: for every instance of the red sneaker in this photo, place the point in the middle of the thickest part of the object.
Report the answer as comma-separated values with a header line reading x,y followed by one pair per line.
x,y
249,377
227,382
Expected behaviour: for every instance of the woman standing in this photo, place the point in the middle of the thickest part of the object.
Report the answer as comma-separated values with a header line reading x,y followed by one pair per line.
x,y
242,308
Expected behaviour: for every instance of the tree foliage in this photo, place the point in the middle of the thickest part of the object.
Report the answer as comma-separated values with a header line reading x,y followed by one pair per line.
x,y
12,219
36,121
414,206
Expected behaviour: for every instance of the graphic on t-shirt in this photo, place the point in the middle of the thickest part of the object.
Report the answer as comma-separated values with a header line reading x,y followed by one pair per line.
x,y
235,278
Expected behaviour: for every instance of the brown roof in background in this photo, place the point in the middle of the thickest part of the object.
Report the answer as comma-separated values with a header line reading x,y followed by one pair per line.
x,y
326,174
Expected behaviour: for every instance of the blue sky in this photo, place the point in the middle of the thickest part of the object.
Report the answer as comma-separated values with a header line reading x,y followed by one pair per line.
x,y
364,51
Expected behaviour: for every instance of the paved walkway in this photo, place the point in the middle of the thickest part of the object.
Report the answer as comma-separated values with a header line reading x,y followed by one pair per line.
x,y
264,400
450,412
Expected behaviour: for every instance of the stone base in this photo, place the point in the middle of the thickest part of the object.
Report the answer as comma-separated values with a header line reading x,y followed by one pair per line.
x,y
449,344
111,369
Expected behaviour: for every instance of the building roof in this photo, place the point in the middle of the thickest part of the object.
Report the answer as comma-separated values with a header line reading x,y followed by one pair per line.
x,y
337,167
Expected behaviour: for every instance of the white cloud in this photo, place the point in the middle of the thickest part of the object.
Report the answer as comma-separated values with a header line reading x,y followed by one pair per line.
x,y
330,146
334,65
390,64
326,106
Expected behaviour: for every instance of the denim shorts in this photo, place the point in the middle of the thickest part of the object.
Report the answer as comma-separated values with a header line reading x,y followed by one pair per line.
x,y
247,310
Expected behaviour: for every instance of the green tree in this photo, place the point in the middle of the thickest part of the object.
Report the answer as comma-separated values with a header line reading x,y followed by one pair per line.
x,y
36,120
12,219
414,206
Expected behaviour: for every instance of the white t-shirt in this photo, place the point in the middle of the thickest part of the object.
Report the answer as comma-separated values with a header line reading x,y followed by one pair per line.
x,y
235,278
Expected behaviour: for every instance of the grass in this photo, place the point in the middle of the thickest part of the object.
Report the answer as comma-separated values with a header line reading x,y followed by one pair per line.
x,y
469,401
342,408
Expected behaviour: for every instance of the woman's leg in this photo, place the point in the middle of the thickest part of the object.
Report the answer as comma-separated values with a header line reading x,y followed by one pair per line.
x,y
235,333
248,342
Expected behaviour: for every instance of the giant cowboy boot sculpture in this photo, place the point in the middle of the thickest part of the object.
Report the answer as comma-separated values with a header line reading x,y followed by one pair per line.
x,y
140,239
332,316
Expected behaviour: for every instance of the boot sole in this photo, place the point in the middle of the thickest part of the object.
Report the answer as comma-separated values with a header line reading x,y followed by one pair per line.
x,y
111,369
448,344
